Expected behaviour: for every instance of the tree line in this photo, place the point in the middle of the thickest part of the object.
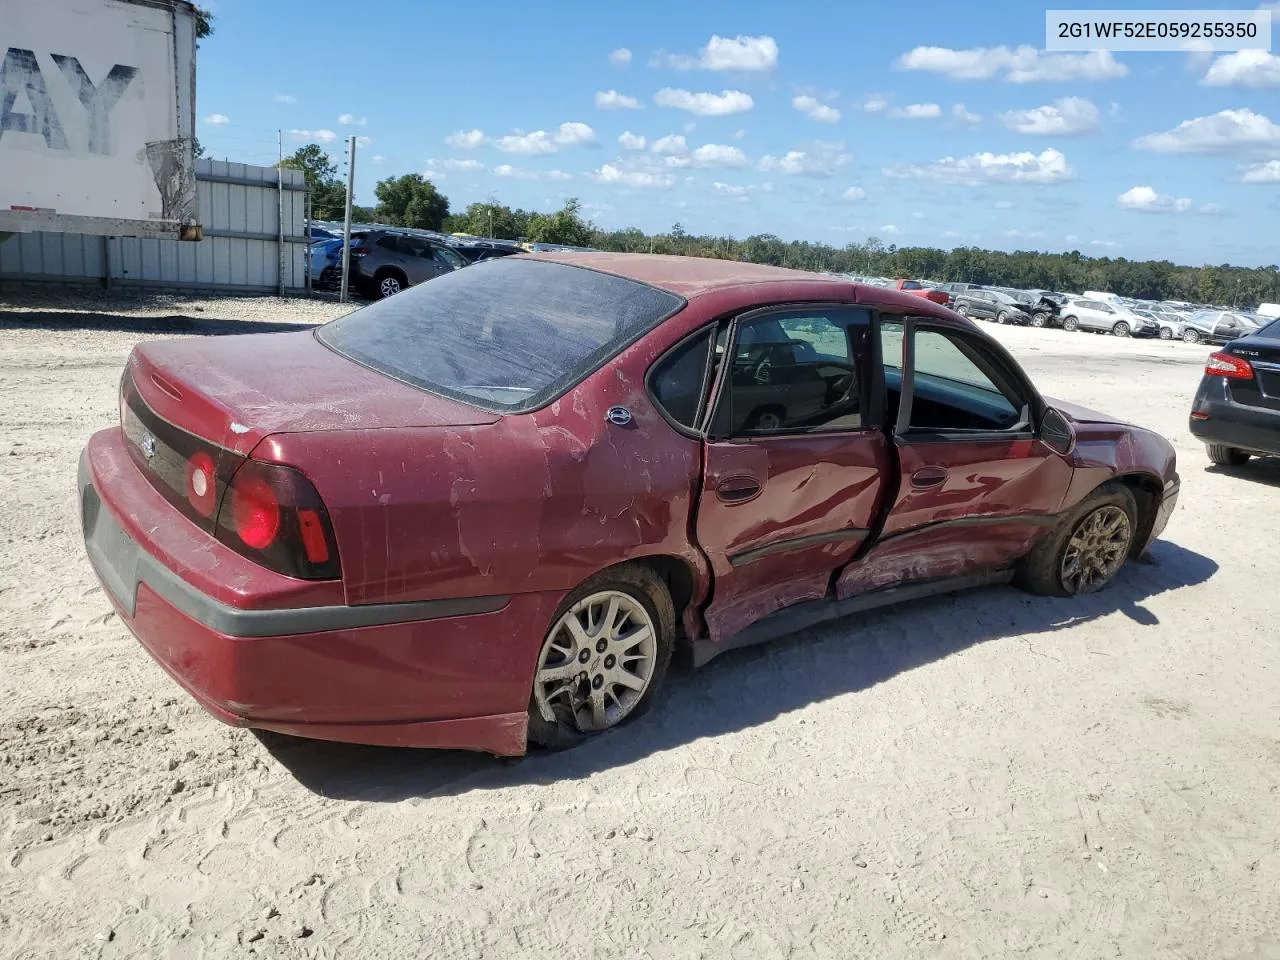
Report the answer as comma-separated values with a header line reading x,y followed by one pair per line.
x,y
412,200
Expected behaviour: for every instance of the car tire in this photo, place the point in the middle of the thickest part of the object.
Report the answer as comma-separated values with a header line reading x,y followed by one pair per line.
x,y
1002,316
1191,335
1039,319
1166,333
962,309
1080,555
1223,456
1121,329
632,585
388,283
770,419
1070,324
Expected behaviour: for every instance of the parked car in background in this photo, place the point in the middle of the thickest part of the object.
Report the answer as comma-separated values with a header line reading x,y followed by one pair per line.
x,y
326,263
396,529
954,288
385,262
1099,317
918,289
990,304
1236,410
1218,326
477,250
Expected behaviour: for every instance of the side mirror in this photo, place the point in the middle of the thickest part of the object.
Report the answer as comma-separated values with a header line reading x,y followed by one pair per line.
x,y
1056,432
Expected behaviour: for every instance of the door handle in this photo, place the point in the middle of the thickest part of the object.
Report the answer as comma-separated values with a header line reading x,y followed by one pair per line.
x,y
928,477
737,489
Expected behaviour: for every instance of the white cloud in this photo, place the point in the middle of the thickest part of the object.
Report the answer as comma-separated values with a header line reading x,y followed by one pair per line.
x,y
815,110
1222,131
363,141
710,155
917,216
1070,115
378,159
286,98
631,141
891,229
875,103
1212,209
739,134
217,119
613,100
671,145
506,170
351,120
609,173
1049,166
319,136
733,190
854,194
741,53
620,57
466,139
1109,244
1244,68
705,104
437,168
917,111
690,127
541,142
820,159
1004,204
962,117
1024,64
1146,199
1268,172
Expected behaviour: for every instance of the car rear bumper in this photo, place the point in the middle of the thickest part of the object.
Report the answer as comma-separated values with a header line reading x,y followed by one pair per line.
x,y
1216,418
449,673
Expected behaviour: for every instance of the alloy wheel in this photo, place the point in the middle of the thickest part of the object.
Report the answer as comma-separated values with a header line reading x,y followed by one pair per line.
x,y
1191,335
597,662
389,286
1121,329
1096,550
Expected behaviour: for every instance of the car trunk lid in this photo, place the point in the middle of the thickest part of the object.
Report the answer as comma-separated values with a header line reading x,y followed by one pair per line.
x,y
1263,354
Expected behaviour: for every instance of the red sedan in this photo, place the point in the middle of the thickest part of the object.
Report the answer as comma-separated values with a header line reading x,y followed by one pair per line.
x,y
484,512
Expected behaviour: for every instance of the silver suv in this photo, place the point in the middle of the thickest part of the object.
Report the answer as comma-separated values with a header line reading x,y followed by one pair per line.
x,y
384,262
1099,317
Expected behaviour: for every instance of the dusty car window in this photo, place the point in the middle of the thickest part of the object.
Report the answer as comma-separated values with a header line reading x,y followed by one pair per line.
x,y
508,334
794,372
679,380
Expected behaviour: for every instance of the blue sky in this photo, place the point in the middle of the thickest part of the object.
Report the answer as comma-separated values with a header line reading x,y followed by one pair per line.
x,y
928,123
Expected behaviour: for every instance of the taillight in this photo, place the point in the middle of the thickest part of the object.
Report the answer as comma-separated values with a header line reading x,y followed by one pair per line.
x,y
273,515
1229,366
358,251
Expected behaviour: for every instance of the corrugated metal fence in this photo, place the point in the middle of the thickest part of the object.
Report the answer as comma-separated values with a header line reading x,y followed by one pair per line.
x,y
239,207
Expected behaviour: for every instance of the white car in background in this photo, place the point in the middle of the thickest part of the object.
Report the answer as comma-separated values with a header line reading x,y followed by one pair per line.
x,y
1099,317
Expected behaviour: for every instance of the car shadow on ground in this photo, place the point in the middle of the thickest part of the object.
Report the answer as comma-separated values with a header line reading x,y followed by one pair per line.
x,y
748,687
1264,470
56,320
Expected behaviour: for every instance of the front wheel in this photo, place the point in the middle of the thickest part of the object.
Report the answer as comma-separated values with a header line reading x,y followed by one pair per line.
x,y
1002,317
1166,333
1039,319
1071,324
1087,549
604,658
1121,329
962,309
1191,335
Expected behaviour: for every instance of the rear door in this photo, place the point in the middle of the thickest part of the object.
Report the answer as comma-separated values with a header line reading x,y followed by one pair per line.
x,y
977,486
795,466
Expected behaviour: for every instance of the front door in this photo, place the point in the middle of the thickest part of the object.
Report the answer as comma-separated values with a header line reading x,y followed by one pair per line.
x,y
977,487
795,464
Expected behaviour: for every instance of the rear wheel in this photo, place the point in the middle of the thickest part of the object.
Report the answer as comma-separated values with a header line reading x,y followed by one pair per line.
x,y
1002,316
1166,333
604,658
1121,329
962,309
1039,319
1087,549
390,283
1224,456
1070,324
1191,335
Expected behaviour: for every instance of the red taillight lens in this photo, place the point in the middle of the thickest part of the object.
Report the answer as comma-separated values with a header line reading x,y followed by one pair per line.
x,y
255,512
1227,365
202,485
355,252
273,515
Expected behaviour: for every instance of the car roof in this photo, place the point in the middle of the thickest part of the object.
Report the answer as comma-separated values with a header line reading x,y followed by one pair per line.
x,y
692,277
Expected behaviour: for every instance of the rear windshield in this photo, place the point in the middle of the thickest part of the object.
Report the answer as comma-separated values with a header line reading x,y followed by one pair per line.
x,y
1272,330
510,334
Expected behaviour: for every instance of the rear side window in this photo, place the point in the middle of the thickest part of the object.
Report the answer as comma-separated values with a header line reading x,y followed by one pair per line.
x,y
679,380
508,334
1271,330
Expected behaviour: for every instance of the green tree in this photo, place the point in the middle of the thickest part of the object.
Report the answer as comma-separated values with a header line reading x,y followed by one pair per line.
x,y
411,201
490,220
566,226
204,23
328,194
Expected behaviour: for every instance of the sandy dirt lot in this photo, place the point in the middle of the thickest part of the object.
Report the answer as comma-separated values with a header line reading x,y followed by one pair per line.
x,y
987,775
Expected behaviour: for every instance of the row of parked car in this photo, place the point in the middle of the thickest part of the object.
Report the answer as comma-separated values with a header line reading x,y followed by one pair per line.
x,y
1092,311
387,260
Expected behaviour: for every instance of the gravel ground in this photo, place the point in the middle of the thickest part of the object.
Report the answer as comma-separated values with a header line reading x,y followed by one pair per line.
x,y
986,775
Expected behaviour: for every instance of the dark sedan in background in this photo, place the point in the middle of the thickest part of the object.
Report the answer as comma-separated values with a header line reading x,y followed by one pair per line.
x,y
1236,411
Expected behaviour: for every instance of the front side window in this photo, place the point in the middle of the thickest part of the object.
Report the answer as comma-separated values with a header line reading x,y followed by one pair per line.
x,y
956,385
794,372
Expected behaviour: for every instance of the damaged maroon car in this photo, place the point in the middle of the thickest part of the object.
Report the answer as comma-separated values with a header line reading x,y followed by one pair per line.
x,y
483,513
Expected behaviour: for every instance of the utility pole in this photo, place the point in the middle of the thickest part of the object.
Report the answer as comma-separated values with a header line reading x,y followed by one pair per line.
x,y
346,227
491,221
280,207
